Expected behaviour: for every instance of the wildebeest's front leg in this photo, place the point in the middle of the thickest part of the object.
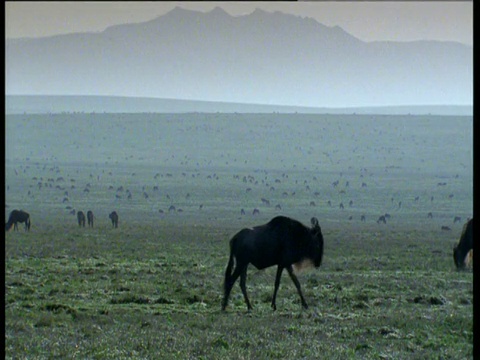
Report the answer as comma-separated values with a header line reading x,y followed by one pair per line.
x,y
277,284
297,285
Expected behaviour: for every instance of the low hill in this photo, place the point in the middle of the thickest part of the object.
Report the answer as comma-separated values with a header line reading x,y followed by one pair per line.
x,y
39,104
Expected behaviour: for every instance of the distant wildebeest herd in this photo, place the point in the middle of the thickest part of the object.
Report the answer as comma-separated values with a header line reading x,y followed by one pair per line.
x,y
20,216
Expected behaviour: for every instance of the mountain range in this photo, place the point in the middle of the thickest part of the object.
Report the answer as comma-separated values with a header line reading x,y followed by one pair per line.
x,y
259,58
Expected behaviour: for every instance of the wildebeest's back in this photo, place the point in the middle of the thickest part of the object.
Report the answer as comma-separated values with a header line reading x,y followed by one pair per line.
x,y
277,242
249,246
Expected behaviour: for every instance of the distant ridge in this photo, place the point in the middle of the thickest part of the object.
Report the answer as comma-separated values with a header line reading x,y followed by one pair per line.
x,y
44,104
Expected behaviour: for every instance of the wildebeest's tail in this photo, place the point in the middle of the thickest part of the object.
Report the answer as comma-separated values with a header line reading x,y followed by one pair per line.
x,y
227,284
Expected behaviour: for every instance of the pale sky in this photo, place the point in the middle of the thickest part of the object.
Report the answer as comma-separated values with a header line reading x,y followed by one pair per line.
x,y
368,21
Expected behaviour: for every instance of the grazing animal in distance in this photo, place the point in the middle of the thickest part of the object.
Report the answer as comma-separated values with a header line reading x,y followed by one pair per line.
x,y
382,219
90,218
284,242
81,218
456,219
464,245
18,216
114,217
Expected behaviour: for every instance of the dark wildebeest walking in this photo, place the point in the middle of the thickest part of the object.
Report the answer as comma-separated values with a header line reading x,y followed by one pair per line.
x,y
114,217
90,218
81,218
284,242
465,244
18,216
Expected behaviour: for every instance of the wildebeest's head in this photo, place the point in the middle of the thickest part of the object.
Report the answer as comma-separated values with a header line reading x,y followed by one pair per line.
x,y
317,235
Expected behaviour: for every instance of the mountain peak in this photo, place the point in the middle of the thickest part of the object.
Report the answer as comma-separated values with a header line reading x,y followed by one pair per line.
x,y
218,11
259,12
180,11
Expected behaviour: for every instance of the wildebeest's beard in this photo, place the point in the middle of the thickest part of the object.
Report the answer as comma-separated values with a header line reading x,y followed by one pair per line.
x,y
318,250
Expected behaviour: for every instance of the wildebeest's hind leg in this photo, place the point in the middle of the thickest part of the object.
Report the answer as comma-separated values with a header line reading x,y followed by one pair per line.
x,y
243,280
297,285
277,284
230,281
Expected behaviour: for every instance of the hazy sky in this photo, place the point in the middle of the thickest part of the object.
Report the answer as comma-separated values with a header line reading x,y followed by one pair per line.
x,y
368,21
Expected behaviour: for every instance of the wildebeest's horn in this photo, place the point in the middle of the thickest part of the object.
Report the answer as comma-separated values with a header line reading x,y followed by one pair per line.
x,y
314,222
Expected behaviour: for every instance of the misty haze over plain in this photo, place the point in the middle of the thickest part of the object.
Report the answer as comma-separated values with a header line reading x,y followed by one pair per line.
x,y
260,58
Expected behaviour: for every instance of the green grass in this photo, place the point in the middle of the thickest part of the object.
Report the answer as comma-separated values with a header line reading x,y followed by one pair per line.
x,y
157,292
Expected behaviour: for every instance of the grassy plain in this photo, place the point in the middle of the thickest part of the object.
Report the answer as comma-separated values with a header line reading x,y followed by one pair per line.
x,y
152,288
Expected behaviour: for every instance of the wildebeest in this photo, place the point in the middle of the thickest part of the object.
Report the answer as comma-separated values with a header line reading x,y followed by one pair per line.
x,y
382,219
81,218
114,217
18,216
90,218
284,242
465,244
